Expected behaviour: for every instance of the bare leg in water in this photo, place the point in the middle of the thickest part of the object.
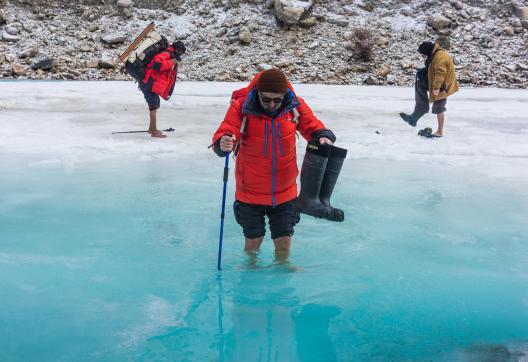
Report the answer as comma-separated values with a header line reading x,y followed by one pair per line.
x,y
282,248
252,248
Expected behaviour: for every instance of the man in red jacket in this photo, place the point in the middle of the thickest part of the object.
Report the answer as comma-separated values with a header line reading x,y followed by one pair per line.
x,y
262,126
160,76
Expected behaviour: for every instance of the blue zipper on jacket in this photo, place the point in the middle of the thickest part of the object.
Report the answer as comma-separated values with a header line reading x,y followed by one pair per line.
x,y
265,139
280,137
273,156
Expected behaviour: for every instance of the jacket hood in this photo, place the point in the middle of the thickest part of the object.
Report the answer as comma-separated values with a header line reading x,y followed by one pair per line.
x,y
252,104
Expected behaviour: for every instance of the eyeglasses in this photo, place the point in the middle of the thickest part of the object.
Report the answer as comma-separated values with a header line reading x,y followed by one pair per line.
x,y
269,100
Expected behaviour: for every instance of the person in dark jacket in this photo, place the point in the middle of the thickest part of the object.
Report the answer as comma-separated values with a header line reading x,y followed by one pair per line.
x,y
160,76
439,79
262,123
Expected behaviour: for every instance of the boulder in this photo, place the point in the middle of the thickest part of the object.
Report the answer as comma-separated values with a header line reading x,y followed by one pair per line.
x,y
18,69
93,27
444,32
244,35
366,5
124,3
283,63
438,22
359,68
298,52
383,71
383,42
91,13
115,38
339,21
9,38
107,61
43,62
290,12
509,30
314,45
444,42
371,80
264,66
309,22
517,25
28,52
127,13
521,12
92,63
11,30
457,5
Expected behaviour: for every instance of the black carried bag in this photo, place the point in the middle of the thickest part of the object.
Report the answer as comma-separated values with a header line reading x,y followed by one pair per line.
x,y
136,68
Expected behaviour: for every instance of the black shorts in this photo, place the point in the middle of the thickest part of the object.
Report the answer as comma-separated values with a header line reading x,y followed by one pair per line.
x,y
282,218
153,100
439,106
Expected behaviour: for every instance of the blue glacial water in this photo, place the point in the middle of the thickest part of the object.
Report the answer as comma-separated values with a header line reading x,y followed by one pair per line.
x,y
116,262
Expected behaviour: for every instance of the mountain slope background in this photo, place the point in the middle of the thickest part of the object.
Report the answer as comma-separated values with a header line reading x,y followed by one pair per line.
x,y
311,41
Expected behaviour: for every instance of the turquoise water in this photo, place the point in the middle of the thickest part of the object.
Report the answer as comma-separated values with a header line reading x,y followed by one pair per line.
x,y
116,262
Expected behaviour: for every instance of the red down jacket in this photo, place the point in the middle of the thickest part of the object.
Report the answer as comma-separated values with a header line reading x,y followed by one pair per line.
x,y
160,74
266,164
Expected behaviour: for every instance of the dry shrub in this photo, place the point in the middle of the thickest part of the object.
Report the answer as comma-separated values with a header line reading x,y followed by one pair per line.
x,y
363,43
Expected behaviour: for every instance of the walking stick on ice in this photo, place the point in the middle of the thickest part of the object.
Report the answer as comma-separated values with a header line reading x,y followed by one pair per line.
x,y
165,130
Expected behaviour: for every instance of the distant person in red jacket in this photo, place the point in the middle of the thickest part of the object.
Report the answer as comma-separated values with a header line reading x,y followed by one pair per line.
x,y
261,123
160,76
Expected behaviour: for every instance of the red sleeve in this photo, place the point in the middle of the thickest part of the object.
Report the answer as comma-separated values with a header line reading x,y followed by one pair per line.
x,y
308,122
231,123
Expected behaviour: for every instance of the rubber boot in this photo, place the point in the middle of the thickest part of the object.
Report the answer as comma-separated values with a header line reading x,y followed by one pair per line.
x,y
333,168
312,173
413,118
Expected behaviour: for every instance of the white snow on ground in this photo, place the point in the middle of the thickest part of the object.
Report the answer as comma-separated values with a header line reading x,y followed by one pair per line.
x,y
400,23
70,123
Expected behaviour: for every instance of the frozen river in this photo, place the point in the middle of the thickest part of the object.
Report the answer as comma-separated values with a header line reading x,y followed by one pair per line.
x,y
108,242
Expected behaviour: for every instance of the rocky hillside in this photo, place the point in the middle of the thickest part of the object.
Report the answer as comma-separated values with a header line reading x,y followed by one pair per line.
x,y
230,40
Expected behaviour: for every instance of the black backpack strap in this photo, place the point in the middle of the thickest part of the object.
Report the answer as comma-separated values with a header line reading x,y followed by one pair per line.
x,y
295,119
242,132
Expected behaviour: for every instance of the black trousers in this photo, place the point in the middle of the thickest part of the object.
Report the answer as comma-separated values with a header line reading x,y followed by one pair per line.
x,y
421,87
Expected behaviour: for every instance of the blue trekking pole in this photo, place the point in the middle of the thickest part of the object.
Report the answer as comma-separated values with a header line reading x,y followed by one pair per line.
x,y
226,176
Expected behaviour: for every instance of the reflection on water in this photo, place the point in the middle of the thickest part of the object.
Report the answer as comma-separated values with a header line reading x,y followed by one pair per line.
x,y
269,320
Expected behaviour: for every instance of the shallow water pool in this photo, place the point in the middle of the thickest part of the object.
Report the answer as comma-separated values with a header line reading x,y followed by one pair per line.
x,y
117,261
